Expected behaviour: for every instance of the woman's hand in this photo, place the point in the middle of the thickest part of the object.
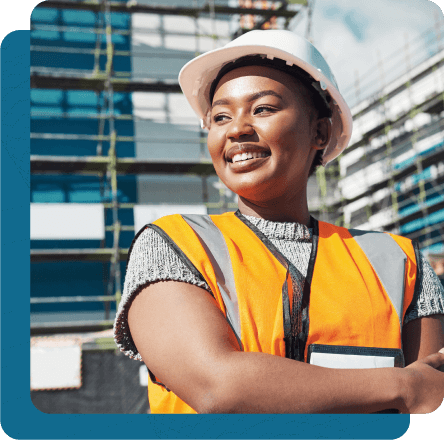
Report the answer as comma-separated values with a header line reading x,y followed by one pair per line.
x,y
423,385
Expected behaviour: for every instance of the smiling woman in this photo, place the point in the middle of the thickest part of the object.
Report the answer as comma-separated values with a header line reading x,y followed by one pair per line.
x,y
263,112
268,310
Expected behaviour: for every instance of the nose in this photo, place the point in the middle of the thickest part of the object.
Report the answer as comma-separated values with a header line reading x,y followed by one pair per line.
x,y
239,126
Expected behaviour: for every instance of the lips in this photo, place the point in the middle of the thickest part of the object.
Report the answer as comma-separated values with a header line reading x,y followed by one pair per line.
x,y
245,152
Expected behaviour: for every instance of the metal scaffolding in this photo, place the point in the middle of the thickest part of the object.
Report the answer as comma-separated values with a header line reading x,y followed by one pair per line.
x,y
107,81
394,109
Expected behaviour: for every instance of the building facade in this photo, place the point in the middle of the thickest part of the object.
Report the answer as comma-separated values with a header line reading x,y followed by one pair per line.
x,y
114,144
391,175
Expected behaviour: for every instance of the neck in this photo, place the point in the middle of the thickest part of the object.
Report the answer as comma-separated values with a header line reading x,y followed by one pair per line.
x,y
293,211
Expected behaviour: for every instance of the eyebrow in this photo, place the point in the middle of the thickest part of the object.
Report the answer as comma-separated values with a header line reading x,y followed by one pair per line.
x,y
250,98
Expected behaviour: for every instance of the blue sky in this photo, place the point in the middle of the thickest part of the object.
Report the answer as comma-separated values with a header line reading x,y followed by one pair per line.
x,y
353,35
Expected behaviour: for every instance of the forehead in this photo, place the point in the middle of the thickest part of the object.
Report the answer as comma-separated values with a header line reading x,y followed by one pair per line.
x,y
255,78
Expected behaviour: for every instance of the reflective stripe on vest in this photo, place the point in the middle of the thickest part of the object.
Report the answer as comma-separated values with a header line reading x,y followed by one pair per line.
x,y
213,242
389,265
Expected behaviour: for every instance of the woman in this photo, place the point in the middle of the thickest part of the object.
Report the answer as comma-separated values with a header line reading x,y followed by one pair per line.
x,y
246,312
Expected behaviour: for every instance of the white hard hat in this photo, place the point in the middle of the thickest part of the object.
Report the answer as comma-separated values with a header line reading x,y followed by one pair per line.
x,y
197,76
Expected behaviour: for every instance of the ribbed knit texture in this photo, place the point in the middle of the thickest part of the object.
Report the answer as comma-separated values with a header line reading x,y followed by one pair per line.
x,y
293,240
430,299
153,260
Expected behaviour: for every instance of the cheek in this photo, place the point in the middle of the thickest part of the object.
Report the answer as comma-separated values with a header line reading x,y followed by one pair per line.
x,y
283,134
292,135
214,144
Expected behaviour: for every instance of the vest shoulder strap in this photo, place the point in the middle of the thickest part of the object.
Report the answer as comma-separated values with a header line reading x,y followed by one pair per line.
x,y
389,262
213,242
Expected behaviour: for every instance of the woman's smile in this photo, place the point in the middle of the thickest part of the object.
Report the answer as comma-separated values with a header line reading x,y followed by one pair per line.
x,y
243,163
246,157
242,157
261,134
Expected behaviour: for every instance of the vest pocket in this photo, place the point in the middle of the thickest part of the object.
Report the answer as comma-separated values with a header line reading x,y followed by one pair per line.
x,y
344,356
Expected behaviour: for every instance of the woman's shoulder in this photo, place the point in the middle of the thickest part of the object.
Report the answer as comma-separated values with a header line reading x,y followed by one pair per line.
x,y
150,259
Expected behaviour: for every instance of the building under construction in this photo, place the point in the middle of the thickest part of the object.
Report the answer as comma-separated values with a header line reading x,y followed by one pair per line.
x,y
390,178
115,145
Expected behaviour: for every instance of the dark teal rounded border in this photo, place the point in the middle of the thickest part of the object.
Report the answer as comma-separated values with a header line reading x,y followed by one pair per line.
x,y
19,418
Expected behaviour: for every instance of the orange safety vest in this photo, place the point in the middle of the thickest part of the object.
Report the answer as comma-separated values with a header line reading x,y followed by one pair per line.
x,y
358,287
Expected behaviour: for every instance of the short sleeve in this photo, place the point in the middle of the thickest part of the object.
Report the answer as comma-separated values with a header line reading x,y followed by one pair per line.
x,y
151,260
428,299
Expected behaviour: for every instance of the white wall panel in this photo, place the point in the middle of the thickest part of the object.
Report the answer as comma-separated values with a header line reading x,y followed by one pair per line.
x,y
55,363
382,218
175,23
67,221
145,21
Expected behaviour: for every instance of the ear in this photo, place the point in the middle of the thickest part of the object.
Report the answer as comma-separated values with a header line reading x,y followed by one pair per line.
x,y
323,128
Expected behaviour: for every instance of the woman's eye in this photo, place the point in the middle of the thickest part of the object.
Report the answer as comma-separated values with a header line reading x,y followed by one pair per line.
x,y
220,118
263,109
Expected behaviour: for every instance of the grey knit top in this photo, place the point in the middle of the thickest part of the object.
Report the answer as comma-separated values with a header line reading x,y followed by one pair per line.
x,y
152,259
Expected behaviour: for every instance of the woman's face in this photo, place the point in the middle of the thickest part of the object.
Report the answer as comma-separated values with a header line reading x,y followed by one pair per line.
x,y
263,134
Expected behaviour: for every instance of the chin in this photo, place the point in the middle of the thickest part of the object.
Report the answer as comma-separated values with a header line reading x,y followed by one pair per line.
x,y
258,186
258,194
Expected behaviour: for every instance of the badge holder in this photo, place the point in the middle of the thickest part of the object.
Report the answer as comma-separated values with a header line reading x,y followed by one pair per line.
x,y
342,356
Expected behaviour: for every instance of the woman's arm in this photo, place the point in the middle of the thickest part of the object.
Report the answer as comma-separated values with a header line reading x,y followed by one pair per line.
x,y
422,337
186,342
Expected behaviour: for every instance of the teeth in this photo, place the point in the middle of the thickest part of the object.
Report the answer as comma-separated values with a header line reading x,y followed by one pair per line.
x,y
246,156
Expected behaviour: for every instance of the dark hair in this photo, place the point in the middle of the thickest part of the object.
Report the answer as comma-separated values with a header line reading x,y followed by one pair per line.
x,y
318,99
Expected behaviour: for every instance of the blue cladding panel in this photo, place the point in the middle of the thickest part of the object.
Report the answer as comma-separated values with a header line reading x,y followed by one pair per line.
x,y
43,35
73,102
79,189
433,199
46,96
44,15
78,18
50,195
424,175
434,249
47,278
415,225
411,160
82,97
409,210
